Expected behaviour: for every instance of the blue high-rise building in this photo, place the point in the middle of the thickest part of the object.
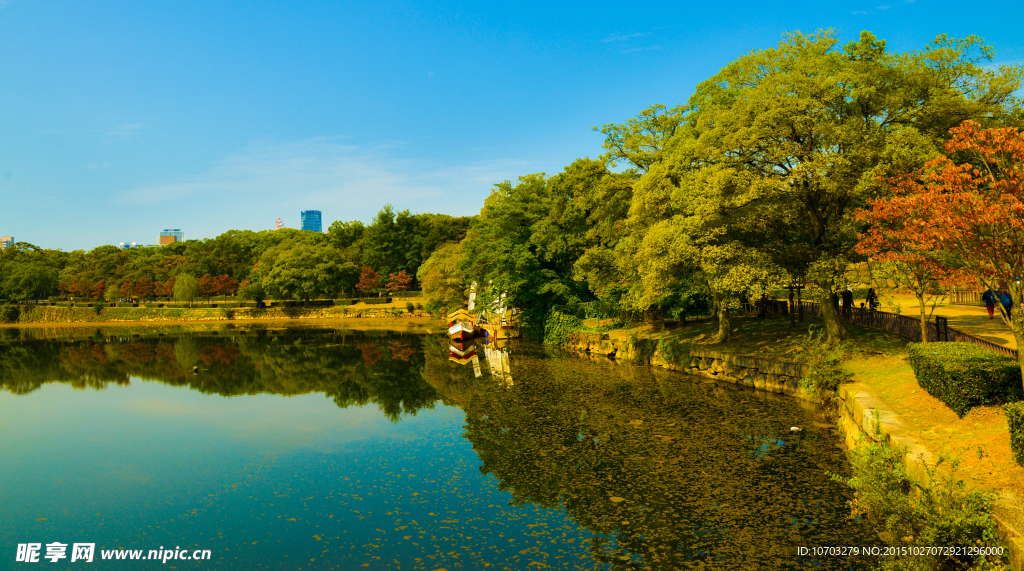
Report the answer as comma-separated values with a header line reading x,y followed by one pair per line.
x,y
311,220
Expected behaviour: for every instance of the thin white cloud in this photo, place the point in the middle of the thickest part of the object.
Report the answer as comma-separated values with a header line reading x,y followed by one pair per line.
x,y
124,132
635,50
624,37
324,174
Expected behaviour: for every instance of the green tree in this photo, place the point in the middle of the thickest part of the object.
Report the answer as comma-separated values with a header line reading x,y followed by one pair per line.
x,y
186,288
113,294
794,138
503,256
444,285
639,140
303,272
384,245
29,272
347,237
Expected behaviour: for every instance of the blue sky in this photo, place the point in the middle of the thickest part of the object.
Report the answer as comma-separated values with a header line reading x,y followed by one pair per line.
x,y
119,119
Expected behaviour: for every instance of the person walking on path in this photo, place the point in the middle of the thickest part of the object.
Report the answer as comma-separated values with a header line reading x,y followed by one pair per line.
x,y
1005,300
847,302
872,299
989,297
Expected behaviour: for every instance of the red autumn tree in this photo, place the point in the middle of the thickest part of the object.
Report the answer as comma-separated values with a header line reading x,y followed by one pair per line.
x,y
163,289
207,286
226,285
80,288
144,288
368,280
977,208
399,281
905,248
127,289
99,288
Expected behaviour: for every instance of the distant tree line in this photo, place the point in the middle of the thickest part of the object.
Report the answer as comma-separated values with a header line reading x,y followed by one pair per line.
x,y
280,264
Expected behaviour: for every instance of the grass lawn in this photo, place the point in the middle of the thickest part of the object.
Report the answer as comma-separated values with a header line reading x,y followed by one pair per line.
x,y
770,337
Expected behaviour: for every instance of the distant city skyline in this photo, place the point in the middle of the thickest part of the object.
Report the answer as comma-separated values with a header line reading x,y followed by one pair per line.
x,y
118,121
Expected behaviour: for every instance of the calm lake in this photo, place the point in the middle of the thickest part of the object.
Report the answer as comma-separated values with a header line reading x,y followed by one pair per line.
x,y
321,448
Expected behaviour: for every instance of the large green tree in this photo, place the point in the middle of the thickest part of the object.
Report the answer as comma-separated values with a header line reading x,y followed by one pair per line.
x,y
304,272
796,137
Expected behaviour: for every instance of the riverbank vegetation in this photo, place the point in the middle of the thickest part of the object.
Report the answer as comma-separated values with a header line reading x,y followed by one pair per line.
x,y
911,516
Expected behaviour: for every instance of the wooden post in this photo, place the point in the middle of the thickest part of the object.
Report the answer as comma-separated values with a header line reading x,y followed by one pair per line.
x,y
792,308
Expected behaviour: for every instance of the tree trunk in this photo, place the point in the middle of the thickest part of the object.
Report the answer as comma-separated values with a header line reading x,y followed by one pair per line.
x,y
724,327
924,318
792,310
834,331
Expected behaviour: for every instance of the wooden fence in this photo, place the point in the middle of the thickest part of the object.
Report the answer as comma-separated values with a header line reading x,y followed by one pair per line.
x,y
964,297
899,324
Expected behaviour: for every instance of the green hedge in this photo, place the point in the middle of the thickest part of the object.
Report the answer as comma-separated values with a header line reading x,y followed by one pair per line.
x,y
298,303
964,375
375,300
345,301
1015,419
410,293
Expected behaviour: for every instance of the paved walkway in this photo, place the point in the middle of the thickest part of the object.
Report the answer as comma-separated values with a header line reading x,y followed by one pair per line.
x,y
967,318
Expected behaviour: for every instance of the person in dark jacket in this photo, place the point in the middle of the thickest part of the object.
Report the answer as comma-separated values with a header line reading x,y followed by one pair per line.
x,y
872,299
847,302
1005,300
989,297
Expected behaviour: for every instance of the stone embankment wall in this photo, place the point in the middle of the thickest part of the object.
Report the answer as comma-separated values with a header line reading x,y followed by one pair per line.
x,y
52,314
757,372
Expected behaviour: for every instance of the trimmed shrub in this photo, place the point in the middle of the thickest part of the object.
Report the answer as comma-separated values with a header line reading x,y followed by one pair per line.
x,y
98,307
9,313
1015,419
411,293
410,307
964,375
227,313
375,300
345,301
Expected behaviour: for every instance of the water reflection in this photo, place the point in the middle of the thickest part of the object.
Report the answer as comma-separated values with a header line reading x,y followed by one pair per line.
x,y
575,464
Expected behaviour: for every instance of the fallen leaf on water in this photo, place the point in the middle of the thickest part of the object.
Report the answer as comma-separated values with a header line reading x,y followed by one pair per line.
x,y
617,499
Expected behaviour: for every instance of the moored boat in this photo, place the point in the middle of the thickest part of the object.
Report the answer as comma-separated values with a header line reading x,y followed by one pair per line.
x,y
461,325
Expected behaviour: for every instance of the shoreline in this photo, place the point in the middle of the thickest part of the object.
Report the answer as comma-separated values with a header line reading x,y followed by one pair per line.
x,y
881,386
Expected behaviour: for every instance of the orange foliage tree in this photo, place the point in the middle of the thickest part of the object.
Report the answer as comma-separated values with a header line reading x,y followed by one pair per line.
x,y
226,285
207,286
399,281
905,248
368,280
976,208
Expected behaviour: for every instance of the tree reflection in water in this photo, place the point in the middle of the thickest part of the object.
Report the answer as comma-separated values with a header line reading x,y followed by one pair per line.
x,y
382,368
664,472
